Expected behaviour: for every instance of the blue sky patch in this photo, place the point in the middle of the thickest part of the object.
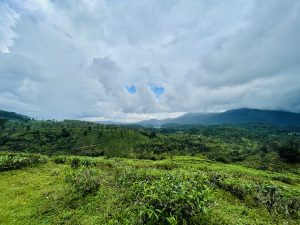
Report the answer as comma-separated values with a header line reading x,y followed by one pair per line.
x,y
131,89
158,91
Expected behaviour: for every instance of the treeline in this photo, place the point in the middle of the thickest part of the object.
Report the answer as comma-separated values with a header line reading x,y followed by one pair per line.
x,y
258,145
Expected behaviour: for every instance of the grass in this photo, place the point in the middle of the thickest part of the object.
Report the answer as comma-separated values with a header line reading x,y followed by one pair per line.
x,y
43,194
21,191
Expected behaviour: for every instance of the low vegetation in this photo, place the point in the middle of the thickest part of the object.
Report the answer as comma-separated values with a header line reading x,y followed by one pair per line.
x,y
181,190
257,145
74,172
10,161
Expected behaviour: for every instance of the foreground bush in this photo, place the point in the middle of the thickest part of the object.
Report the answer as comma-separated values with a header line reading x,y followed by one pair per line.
x,y
10,161
59,159
83,181
172,199
274,198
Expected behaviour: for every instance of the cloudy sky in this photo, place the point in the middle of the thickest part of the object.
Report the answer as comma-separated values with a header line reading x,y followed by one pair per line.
x,y
129,60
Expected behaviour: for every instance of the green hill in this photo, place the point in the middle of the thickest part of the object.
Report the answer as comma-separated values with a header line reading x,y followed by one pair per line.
x,y
256,145
13,116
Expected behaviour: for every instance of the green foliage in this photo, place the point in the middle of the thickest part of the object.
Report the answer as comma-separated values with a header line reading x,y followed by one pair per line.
x,y
75,163
59,159
290,152
10,161
284,179
171,200
257,145
2,123
167,198
274,198
88,162
65,133
69,137
13,116
152,176
83,181
177,190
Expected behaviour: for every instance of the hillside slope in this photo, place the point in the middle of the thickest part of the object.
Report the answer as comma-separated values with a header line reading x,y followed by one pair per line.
x,y
13,116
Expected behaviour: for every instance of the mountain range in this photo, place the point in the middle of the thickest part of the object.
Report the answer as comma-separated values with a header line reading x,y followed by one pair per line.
x,y
235,116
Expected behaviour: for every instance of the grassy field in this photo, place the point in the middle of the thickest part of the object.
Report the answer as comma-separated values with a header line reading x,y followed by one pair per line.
x,y
177,190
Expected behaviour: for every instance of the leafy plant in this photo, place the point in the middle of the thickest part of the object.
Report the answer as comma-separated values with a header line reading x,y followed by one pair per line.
x,y
10,161
173,199
75,163
84,181
268,195
59,159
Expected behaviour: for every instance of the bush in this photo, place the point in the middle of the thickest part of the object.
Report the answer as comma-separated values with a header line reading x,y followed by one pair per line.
x,y
284,179
88,162
10,161
84,181
59,159
166,166
150,156
75,163
222,159
275,200
290,154
268,195
172,199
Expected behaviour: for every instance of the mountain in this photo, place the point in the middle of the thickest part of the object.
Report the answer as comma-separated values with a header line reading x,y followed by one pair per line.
x,y
13,116
244,115
109,122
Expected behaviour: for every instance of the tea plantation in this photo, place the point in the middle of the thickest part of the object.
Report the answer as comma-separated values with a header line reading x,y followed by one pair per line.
x,y
74,172
38,189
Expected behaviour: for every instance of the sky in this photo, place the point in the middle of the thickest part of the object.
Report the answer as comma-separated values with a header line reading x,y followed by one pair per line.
x,y
130,60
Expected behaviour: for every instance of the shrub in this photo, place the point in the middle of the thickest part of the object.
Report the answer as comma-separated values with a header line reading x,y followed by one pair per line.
x,y
75,163
150,156
268,195
166,166
172,199
88,162
276,200
59,159
288,151
128,176
222,159
84,181
284,179
289,154
10,161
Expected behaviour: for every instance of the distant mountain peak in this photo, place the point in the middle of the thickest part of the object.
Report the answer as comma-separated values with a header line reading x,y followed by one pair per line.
x,y
233,116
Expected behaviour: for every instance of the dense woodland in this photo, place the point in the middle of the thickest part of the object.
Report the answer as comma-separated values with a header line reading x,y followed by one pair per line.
x,y
73,172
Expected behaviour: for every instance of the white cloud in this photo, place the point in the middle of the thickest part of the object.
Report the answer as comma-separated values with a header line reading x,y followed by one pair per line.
x,y
74,59
8,21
